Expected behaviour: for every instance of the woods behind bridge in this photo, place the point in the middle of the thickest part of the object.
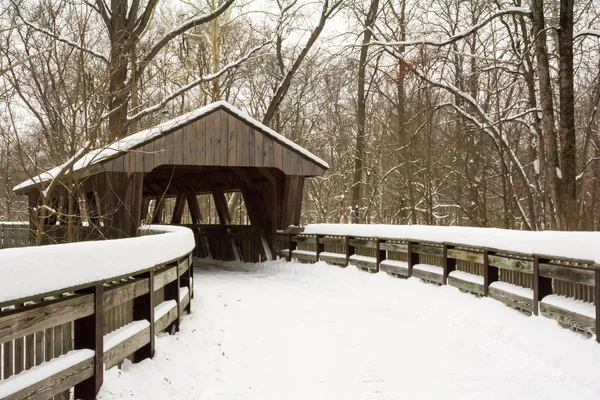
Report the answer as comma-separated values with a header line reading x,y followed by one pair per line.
x,y
434,112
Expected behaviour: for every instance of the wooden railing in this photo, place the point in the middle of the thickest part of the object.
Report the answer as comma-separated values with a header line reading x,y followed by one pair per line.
x,y
14,234
560,288
66,338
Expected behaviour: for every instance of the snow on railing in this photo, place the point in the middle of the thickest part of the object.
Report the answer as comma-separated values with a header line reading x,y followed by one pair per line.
x,y
555,274
99,297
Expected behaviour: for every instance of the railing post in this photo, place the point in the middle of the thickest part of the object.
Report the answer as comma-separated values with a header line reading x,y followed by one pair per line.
x,y
381,254
413,258
319,247
291,246
143,308
89,334
191,276
541,286
490,273
171,291
186,281
349,250
597,301
449,264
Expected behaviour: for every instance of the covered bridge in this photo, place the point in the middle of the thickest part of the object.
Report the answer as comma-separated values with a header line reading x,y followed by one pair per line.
x,y
212,150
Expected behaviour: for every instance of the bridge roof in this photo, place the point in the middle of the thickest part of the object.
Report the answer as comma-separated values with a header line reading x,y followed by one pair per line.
x,y
217,134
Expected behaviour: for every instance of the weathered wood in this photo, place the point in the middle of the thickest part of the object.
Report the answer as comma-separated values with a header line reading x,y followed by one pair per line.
x,y
466,286
398,268
308,239
511,264
541,286
122,293
367,243
88,334
57,383
567,273
391,246
166,320
569,319
178,209
164,276
427,250
171,291
413,258
132,345
30,319
304,255
428,276
143,308
490,273
448,264
465,255
331,258
7,359
511,299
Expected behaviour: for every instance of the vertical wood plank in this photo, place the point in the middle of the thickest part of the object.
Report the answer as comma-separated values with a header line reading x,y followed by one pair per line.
x,y
186,138
231,140
39,347
29,351
258,149
217,137
7,358
241,137
210,139
201,141
177,146
278,156
597,302
224,133
19,355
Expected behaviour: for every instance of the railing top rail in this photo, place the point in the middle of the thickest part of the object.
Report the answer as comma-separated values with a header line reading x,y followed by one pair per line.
x,y
42,271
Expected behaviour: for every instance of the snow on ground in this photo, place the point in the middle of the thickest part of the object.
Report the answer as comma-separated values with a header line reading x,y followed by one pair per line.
x,y
298,331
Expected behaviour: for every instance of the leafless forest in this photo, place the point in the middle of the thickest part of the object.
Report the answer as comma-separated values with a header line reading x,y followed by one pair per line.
x,y
442,112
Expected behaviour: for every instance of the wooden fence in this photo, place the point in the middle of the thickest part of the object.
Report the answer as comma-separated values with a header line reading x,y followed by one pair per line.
x,y
555,287
14,234
57,342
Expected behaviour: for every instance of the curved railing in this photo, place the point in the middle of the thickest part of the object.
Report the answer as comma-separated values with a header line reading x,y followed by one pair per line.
x,y
69,311
555,274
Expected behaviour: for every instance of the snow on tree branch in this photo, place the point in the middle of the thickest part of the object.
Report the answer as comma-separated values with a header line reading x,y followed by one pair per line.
x,y
461,35
195,83
64,40
587,32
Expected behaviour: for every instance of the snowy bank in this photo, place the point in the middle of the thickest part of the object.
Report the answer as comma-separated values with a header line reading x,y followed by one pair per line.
x,y
32,271
574,245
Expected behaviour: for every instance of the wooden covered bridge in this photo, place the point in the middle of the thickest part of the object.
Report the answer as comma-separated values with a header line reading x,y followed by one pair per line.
x,y
213,150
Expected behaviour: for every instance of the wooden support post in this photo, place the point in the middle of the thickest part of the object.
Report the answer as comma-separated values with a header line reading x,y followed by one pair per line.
x,y
413,258
291,246
196,215
171,291
89,334
542,286
258,219
178,209
449,264
350,250
490,273
597,301
143,308
381,254
319,247
225,219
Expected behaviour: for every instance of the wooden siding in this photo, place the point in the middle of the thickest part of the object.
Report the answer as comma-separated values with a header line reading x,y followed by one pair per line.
x,y
217,139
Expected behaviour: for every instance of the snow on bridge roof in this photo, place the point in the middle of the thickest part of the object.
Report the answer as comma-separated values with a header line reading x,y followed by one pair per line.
x,y
98,156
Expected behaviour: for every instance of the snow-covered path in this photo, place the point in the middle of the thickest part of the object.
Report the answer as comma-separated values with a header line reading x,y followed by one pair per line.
x,y
297,331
